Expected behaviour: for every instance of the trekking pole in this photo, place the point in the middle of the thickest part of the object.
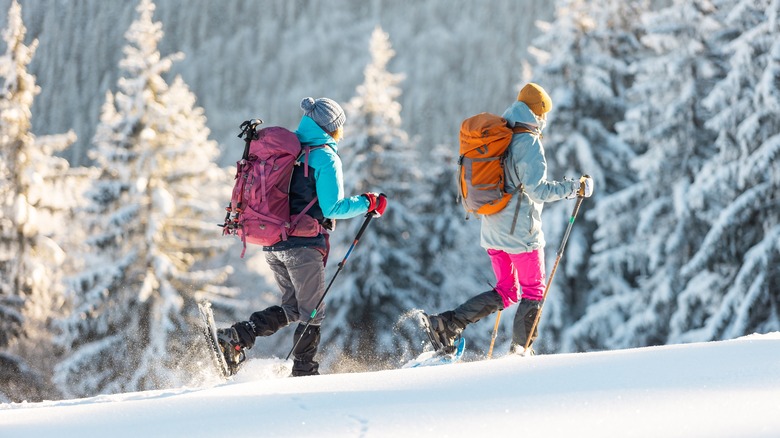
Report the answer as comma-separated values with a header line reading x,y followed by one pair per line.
x,y
555,268
495,334
343,262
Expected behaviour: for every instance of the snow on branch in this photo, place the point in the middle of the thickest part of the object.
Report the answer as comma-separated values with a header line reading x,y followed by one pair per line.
x,y
731,217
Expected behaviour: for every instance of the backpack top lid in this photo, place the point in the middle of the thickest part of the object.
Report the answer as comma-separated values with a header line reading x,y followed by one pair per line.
x,y
485,133
274,141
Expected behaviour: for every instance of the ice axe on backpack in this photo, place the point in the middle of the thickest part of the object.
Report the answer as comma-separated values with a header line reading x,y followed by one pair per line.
x,y
248,133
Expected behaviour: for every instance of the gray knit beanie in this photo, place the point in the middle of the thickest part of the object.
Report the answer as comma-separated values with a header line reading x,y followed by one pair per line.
x,y
325,112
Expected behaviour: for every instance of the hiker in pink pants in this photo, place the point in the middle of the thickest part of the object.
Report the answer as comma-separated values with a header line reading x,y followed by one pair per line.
x,y
517,256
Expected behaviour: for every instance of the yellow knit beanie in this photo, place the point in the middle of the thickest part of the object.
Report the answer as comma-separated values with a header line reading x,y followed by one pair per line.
x,y
536,98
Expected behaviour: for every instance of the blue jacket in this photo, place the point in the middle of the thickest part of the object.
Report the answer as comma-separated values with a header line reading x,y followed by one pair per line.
x,y
325,181
327,173
525,164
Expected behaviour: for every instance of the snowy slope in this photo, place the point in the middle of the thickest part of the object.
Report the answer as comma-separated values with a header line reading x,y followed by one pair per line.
x,y
716,389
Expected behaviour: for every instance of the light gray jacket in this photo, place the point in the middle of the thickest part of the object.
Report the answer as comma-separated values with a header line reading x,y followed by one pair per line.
x,y
525,164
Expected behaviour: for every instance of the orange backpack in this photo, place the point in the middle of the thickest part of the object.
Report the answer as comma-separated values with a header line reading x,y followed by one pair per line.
x,y
484,139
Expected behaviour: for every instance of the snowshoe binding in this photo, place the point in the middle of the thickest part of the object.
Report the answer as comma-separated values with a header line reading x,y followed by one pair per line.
x,y
441,332
445,356
231,349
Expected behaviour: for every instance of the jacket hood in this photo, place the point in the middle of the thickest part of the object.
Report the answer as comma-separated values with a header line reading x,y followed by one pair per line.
x,y
310,134
519,112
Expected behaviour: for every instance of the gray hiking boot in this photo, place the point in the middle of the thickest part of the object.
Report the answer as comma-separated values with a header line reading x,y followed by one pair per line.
x,y
442,329
523,324
228,338
232,349
446,327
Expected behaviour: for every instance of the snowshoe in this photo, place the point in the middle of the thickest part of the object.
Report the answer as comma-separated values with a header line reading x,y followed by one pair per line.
x,y
447,355
226,358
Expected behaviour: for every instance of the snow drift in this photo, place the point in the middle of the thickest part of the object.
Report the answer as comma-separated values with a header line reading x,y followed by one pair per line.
x,y
714,389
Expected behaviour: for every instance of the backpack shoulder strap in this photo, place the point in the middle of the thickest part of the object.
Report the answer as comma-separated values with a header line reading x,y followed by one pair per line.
x,y
520,128
305,151
519,189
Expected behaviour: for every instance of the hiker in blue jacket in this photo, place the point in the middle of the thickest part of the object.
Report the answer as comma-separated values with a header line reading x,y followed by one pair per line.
x,y
298,263
517,257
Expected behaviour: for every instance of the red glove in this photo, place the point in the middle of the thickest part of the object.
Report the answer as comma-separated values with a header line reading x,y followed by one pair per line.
x,y
377,203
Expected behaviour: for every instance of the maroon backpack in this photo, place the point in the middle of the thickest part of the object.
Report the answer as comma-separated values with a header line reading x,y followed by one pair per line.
x,y
259,210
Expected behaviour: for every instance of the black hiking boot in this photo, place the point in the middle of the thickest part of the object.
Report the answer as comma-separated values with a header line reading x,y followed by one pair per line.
x,y
306,341
521,329
446,327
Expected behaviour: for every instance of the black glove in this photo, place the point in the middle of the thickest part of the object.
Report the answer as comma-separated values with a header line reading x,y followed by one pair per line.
x,y
329,224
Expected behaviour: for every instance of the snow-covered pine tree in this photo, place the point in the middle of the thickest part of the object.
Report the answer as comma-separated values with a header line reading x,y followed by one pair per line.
x,y
34,189
18,91
582,59
384,277
648,230
730,286
151,218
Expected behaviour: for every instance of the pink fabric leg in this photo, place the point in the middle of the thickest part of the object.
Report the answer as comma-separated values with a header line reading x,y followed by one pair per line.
x,y
529,267
515,272
506,278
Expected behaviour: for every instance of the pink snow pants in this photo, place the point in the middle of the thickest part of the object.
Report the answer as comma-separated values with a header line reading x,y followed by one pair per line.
x,y
518,272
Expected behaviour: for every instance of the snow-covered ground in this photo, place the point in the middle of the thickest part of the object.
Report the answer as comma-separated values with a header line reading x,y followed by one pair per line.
x,y
715,389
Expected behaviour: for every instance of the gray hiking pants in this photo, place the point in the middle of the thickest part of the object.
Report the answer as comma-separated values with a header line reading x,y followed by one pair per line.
x,y
300,274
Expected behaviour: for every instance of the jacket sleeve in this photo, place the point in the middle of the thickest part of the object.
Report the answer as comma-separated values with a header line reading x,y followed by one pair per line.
x,y
330,188
532,167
